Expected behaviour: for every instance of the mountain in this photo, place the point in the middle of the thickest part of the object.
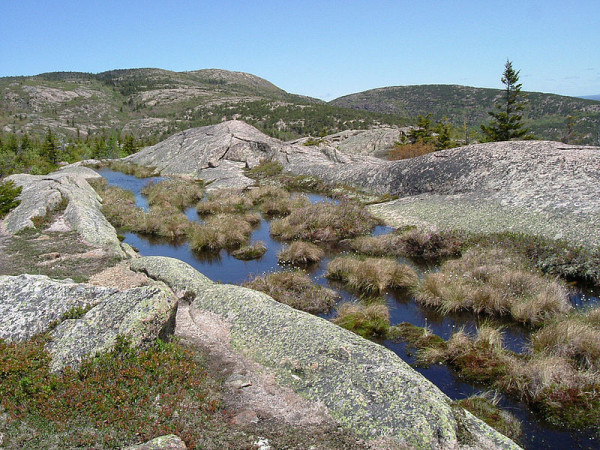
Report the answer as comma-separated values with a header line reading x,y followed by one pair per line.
x,y
591,97
546,114
158,103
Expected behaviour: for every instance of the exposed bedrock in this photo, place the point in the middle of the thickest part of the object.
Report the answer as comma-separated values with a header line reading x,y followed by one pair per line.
x,y
364,386
33,304
43,194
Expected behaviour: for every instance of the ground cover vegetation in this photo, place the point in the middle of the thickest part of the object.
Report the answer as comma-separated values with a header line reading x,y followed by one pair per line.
x,y
296,289
129,396
499,275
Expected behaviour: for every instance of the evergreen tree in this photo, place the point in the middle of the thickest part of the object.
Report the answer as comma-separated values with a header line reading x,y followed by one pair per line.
x,y
422,132
50,148
507,122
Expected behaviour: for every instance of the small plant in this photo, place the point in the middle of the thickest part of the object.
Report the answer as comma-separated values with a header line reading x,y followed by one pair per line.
x,y
300,252
9,193
266,169
368,321
295,288
220,231
253,251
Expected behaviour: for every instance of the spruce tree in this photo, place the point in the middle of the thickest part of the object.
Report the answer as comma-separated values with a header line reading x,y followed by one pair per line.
x,y
507,122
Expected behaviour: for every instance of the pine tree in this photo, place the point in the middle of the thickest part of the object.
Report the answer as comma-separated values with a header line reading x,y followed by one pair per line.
x,y
50,148
507,122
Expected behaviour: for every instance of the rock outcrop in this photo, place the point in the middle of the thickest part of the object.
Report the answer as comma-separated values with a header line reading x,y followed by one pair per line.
x,y
168,442
535,187
32,304
364,386
42,194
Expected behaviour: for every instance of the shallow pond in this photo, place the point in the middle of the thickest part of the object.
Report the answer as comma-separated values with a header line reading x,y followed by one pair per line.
x,y
221,266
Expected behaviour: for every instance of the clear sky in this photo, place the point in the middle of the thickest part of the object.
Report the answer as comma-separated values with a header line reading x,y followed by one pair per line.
x,y
321,48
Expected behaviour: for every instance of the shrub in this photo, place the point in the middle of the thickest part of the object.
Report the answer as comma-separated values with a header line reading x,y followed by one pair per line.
x,y
266,169
254,251
9,193
324,222
371,275
405,151
295,288
300,252
367,321
493,282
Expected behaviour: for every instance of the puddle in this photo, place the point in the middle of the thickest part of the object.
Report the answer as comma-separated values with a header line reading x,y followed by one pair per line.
x,y
222,267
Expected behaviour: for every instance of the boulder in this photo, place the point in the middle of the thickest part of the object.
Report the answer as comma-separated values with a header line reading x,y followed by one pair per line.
x,y
168,442
32,304
140,315
29,304
365,387
42,194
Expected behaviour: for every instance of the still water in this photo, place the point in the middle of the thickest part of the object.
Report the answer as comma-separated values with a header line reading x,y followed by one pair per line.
x,y
221,266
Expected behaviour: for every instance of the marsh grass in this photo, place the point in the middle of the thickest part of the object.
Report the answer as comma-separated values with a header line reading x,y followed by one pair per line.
x,y
324,221
131,169
371,275
493,282
300,252
174,193
225,201
417,337
220,231
411,243
485,407
252,251
368,321
295,288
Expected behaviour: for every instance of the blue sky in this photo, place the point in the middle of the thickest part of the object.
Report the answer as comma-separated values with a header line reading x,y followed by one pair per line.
x,y
321,48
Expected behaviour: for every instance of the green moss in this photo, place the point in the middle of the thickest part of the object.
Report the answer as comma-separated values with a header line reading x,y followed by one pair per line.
x,y
486,408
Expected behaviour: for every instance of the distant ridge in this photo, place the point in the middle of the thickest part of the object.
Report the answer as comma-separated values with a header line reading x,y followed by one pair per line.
x,y
591,97
546,114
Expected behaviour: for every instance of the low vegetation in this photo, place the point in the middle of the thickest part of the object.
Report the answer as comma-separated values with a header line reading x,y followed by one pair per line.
x,y
560,384
324,221
300,252
406,151
410,243
174,193
295,288
225,201
493,282
485,407
368,321
252,251
9,193
130,168
371,275
220,231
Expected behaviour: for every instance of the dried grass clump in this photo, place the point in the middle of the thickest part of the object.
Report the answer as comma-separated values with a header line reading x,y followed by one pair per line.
x,y
283,206
365,320
132,169
300,252
295,288
219,231
371,275
493,282
576,337
266,192
406,151
324,222
225,201
485,407
174,193
253,251
411,243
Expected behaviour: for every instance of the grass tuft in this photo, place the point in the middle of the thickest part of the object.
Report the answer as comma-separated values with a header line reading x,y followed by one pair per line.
x,y
371,275
174,193
324,222
300,252
368,321
253,251
485,407
295,288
